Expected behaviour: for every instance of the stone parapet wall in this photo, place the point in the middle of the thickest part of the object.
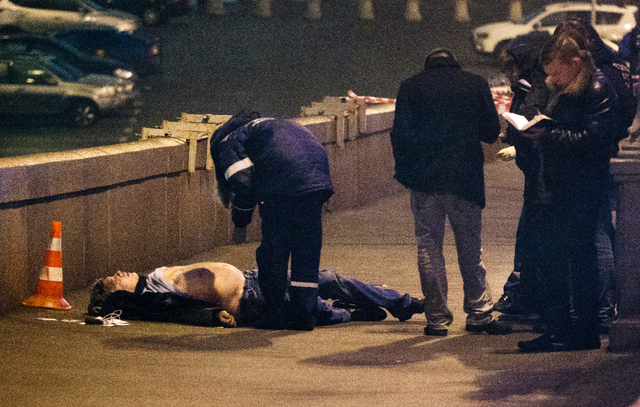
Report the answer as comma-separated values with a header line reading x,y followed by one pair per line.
x,y
135,206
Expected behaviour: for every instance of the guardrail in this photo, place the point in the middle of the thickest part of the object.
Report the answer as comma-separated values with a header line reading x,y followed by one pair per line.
x,y
140,205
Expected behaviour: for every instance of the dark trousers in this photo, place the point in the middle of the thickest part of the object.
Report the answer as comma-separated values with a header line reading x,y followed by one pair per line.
x,y
569,265
291,228
522,284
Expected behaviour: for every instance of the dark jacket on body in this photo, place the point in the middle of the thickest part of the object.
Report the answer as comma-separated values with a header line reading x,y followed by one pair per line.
x,y
442,115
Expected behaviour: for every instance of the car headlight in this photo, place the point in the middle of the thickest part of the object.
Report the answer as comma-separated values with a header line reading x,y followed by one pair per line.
x,y
107,91
123,73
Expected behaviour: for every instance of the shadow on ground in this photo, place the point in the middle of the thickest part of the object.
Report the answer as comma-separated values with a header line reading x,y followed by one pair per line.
x,y
595,378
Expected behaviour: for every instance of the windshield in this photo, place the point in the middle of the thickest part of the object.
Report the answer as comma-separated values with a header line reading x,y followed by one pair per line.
x,y
531,16
92,5
64,70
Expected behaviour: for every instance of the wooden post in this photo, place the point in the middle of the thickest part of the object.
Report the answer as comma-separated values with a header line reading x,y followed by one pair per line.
x,y
462,11
515,12
412,12
366,9
215,7
264,8
314,10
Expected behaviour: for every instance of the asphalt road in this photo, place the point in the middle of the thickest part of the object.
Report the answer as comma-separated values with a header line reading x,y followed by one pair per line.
x,y
277,65
47,358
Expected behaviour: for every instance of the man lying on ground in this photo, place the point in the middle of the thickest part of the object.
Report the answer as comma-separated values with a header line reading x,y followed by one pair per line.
x,y
219,294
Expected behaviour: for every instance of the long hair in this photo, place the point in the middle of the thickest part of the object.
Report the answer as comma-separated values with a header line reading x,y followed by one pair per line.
x,y
565,49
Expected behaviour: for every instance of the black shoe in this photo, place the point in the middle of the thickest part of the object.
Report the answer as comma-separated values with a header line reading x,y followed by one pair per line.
x,y
429,330
544,343
507,305
585,345
340,304
580,340
416,306
368,314
492,328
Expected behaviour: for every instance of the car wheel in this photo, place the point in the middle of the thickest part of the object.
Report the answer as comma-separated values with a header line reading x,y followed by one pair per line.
x,y
82,113
151,16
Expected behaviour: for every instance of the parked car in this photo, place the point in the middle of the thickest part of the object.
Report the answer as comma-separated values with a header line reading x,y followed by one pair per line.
x,y
612,23
138,54
50,15
33,86
151,12
38,45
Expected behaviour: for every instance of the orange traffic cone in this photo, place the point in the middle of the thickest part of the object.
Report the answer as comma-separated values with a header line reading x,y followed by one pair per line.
x,y
49,292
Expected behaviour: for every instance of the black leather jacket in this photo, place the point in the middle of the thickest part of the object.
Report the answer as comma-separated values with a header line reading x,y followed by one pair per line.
x,y
576,146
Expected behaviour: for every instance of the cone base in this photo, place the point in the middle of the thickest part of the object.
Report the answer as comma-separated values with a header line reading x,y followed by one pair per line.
x,y
46,302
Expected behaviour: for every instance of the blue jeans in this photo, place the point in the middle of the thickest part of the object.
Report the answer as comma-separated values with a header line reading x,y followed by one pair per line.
x,y
430,212
331,286
606,266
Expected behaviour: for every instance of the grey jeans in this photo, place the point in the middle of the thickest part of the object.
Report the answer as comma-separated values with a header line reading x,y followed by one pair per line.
x,y
430,212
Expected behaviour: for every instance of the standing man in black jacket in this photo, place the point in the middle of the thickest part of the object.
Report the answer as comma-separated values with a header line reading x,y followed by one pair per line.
x,y
279,165
442,115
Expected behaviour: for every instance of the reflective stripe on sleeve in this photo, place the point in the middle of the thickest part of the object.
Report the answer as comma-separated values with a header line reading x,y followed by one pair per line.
x,y
238,166
303,284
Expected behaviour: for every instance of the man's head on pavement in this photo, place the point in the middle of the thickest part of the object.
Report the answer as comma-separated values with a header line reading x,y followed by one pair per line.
x,y
120,281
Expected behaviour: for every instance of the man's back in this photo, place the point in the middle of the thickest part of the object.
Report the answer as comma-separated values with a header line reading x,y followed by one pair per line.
x,y
442,115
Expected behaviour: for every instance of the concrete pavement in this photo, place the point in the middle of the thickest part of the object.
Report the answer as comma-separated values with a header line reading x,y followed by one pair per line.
x,y
388,363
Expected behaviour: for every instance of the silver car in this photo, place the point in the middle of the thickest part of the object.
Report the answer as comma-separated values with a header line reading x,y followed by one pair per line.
x,y
51,15
31,86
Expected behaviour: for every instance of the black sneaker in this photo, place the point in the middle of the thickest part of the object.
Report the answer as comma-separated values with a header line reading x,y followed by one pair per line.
x,y
544,343
492,328
429,330
416,306
507,305
368,314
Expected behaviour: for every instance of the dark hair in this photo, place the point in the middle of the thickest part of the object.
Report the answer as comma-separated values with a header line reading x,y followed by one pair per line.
x,y
98,295
441,53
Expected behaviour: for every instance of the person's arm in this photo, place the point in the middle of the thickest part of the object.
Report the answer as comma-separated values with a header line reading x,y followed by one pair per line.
x,y
601,116
489,122
402,124
166,307
624,48
238,171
